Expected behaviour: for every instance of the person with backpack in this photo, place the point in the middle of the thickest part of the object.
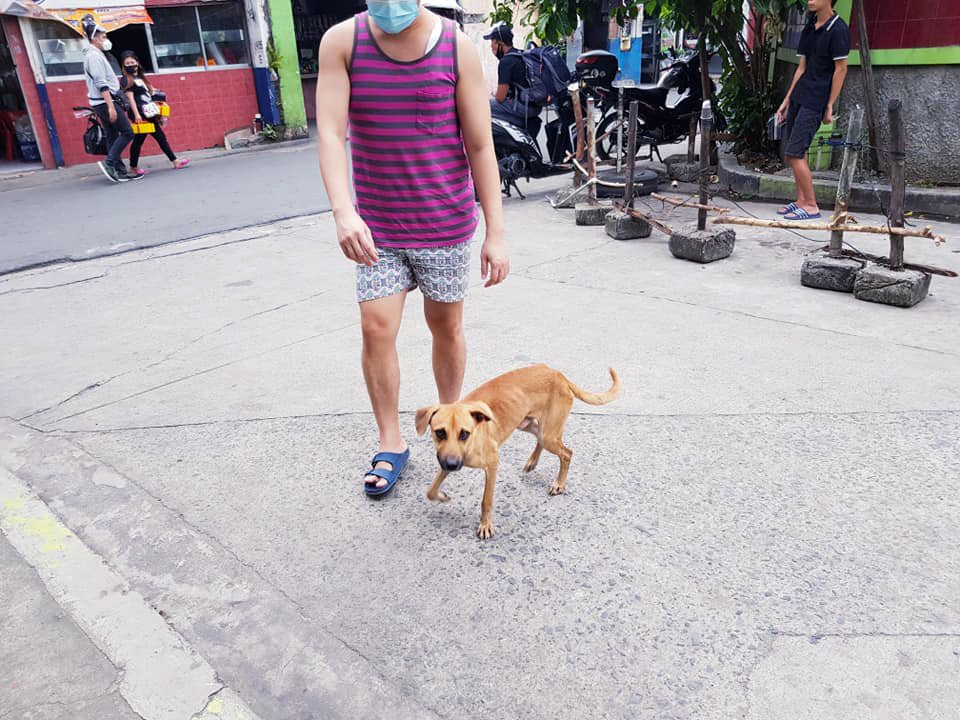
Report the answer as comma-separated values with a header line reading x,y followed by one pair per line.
x,y
103,94
507,103
139,93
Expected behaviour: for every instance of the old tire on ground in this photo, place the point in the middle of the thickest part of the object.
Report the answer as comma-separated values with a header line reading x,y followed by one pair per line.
x,y
644,183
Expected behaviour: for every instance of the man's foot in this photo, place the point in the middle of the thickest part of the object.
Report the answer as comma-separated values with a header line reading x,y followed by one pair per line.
x,y
385,472
803,214
109,171
125,174
787,208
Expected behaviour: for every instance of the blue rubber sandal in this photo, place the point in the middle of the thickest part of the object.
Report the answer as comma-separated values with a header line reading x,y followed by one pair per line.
x,y
398,461
801,214
787,209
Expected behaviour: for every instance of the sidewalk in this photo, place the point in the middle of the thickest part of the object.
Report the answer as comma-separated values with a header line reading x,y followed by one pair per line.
x,y
764,525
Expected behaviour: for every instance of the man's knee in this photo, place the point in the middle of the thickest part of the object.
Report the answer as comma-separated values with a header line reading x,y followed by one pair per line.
x,y
446,323
378,326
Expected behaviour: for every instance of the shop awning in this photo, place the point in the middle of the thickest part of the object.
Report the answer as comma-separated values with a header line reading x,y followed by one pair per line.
x,y
111,14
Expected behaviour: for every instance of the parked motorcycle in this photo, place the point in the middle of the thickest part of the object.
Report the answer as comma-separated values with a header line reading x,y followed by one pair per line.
x,y
658,123
518,151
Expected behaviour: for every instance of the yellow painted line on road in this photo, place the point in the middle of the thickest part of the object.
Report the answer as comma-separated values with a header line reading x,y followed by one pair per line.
x,y
159,674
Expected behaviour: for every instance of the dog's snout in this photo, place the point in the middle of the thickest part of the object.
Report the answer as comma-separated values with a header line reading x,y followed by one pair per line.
x,y
449,462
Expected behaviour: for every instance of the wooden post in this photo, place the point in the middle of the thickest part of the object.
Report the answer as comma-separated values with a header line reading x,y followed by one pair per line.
x,y
897,181
578,179
847,169
631,154
706,136
591,151
869,91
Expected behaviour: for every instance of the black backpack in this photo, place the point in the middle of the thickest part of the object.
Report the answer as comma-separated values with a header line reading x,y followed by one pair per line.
x,y
547,74
94,137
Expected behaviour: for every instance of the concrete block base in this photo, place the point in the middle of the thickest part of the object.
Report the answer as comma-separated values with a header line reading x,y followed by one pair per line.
x,y
621,226
688,172
591,214
883,285
702,246
827,273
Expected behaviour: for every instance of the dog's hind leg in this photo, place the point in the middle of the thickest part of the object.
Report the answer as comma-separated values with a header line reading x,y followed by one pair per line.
x,y
534,458
531,426
551,437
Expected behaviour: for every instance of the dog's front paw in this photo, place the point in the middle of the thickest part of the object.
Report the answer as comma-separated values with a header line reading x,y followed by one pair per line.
x,y
438,496
557,489
485,530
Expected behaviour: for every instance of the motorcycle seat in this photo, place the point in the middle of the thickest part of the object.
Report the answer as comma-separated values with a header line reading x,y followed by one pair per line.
x,y
650,94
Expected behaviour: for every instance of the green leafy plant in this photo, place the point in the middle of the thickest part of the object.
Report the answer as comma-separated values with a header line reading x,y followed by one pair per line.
x,y
502,12
270,133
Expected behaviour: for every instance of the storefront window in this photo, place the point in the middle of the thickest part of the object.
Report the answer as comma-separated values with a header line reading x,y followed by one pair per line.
x,y
176,37
221,27
209,36
61,49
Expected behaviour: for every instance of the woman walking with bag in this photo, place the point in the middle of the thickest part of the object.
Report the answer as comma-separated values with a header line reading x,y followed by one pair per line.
x,y
140,93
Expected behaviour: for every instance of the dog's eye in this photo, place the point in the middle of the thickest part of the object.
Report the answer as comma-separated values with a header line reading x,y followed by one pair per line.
x,y
464,435
441,434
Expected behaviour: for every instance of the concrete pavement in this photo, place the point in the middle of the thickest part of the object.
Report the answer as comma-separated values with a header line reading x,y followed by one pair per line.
x,y
764,525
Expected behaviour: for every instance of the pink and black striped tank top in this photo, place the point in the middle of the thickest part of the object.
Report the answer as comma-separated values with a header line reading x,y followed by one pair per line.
x,y
410,173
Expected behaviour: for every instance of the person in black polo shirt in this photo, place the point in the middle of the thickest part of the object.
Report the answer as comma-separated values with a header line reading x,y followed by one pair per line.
x,y
823,50
511,77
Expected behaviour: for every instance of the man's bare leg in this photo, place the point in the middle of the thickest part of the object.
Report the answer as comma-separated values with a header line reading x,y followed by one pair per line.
x,y
806,198
445,321
380,323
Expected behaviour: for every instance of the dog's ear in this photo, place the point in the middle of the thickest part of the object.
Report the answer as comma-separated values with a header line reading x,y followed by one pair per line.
x,y
424,416
481,412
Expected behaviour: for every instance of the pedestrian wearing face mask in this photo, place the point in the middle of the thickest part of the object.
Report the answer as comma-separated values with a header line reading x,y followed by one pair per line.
x,y
103,94
139,94
410,87
511,78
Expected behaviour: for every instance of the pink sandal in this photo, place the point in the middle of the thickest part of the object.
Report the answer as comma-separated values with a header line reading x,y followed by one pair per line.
x,y
180,163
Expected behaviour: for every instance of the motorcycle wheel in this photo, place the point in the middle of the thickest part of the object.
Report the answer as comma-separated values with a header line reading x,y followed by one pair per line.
x,y
607,149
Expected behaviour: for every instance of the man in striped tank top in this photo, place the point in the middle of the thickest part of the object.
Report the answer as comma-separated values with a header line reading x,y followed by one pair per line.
x,y
410,88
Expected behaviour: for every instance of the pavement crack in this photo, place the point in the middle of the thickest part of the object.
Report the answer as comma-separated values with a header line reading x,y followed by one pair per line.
x,y
74,396
817,637
232,323
199,373
37,288
214,246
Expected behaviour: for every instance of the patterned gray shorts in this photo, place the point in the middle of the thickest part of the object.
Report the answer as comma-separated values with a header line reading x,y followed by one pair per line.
x,y
441,273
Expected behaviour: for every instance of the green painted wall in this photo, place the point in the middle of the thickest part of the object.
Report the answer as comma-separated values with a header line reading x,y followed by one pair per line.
x,y
285,42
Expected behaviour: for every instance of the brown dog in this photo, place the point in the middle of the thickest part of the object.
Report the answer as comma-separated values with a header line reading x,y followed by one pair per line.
x,y
535,399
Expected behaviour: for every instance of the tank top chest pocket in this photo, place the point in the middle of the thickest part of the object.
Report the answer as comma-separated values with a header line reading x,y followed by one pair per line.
x,y
435,106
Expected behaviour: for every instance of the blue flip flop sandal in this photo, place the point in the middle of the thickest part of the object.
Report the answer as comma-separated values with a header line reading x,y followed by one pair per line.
x,y
801,214
398,461
787,209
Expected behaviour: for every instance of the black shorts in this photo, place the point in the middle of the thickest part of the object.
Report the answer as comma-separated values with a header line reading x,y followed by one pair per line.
x,y
802,125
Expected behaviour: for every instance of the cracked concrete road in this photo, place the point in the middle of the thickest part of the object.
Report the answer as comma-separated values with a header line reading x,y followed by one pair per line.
x,y
765,525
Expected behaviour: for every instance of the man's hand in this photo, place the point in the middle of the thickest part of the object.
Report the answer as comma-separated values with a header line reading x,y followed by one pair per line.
x,y
782,112
828,115
494,262
355,238
112,112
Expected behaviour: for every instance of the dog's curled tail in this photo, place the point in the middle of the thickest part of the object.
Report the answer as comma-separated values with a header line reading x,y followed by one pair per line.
x,y
592,398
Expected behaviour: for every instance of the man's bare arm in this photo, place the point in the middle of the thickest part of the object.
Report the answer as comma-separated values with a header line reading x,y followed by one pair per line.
x,y
333,107
473,109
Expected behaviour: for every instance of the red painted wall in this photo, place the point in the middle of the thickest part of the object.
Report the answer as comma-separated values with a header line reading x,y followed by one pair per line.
x,y
203,106
896,24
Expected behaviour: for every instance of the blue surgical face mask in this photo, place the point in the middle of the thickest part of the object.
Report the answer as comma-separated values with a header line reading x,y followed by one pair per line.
x,y
393,16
